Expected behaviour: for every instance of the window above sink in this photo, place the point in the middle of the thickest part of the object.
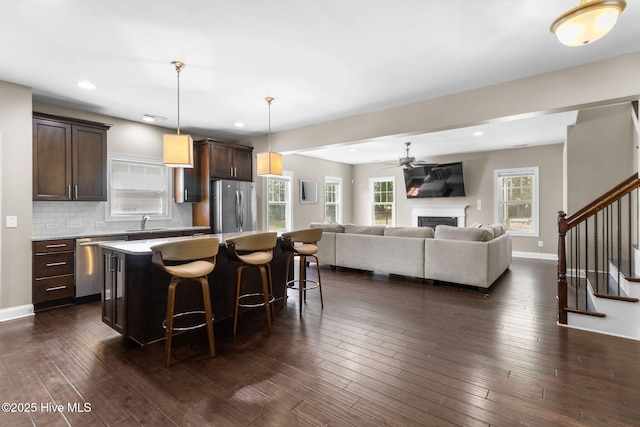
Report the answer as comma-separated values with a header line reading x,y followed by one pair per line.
x,y
138,187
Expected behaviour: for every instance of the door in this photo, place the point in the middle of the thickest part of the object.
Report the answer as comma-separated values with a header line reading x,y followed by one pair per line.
x,y
89,163
51,160
226,207
247,205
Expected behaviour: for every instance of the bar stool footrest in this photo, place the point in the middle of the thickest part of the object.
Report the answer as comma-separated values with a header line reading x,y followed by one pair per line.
x,y
291,285
259,304
186,328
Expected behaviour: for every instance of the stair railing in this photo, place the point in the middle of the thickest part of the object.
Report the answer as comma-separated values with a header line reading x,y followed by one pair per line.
x,y
602,231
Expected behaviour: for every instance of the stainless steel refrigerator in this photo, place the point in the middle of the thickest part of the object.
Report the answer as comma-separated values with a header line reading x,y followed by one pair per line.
x,y
233,206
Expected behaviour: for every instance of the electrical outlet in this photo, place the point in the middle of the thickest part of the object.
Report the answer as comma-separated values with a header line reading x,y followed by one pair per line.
x,y
540,243
74,223
479,204
100,224
51,225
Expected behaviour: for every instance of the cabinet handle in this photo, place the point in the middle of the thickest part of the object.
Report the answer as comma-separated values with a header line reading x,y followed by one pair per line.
x,y
69,189
55,264
59,245
235,172
75,191
231,171
118,264
186,193
56,288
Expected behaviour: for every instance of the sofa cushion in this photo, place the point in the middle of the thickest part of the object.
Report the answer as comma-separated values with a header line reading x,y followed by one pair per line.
x,y
333,228
463,233
420,232
374,230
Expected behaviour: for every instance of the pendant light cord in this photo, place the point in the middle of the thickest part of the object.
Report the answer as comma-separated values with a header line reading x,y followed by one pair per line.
x,y
179,65
269,100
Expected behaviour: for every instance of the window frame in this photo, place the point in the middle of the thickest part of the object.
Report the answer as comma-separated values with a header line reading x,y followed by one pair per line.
x,y
328,180
535,203
288,178
167,189
372,202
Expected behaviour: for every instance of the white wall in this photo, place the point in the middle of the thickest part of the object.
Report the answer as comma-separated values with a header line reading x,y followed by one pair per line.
x,y
478,176
601,153
16,180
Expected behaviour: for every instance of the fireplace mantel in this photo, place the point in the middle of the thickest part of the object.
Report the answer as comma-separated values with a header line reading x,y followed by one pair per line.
x,y
458,211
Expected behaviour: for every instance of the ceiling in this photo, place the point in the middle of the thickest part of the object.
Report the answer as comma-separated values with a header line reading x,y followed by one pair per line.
x,y
320,60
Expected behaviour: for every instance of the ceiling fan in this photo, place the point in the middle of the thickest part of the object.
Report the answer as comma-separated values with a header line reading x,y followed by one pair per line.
x,y
408,160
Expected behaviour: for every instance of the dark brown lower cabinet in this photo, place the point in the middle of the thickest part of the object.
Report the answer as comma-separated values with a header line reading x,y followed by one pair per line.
x,y
113,290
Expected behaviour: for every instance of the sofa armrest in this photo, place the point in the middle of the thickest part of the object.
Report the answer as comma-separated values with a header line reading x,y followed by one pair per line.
x,y
327,248
467,262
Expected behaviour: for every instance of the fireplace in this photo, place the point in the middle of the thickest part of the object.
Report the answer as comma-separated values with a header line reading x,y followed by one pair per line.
x,y
433,221
439,214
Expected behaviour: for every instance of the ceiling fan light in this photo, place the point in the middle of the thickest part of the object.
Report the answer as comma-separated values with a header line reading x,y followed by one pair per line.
x,y
588,22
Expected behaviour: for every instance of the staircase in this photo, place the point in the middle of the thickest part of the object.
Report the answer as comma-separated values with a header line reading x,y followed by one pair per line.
x,y
599,264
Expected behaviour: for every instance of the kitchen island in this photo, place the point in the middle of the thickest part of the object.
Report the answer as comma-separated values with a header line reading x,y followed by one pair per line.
x,y
134,295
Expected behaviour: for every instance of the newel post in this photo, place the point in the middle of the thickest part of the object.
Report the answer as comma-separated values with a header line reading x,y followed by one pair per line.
x,y
562,268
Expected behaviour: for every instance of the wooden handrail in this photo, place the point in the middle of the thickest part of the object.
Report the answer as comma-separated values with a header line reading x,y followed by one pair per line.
x,y
620,190
565,224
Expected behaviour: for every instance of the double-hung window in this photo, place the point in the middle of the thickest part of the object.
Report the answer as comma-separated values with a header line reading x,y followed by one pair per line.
x,y
279,203
382,200
332,200
516,200
138,187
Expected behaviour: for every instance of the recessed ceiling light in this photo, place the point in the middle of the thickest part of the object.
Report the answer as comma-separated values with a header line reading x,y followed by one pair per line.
x,y
86,85
239,124
478,133
148,118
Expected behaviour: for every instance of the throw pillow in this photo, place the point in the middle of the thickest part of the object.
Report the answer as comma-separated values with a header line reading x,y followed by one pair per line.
x,y
463,233
419,232
375,230
332,228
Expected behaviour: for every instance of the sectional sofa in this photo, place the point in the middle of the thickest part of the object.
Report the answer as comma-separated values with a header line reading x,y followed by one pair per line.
x,y
474,256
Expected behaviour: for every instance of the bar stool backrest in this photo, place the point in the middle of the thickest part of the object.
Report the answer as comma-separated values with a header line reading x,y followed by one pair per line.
x,y
189,249
254,242
308,235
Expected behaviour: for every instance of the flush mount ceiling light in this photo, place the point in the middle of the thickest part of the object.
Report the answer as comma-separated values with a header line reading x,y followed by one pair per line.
x,y
85,84
178,149
588,22
269,163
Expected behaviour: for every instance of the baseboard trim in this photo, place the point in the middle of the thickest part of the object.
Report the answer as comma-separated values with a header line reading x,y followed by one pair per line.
x,y
535,255
16,312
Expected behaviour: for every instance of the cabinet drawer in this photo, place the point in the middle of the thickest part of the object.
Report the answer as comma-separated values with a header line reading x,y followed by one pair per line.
x,y
54,264
54,245
53,288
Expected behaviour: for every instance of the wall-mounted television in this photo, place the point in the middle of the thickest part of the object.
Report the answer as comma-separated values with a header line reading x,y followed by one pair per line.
x,y
434,180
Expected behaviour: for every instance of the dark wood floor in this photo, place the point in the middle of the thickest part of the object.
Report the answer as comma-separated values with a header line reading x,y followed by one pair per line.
x,y
385,351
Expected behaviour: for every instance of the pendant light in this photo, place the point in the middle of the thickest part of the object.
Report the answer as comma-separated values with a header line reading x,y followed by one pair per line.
x,y
269,163
588,22
178,149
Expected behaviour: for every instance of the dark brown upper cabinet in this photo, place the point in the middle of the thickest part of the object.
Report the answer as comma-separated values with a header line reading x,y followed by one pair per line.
x,y
69,159
230,161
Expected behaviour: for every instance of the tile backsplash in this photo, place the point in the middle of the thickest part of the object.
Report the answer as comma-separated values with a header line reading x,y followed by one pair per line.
x,y
86,218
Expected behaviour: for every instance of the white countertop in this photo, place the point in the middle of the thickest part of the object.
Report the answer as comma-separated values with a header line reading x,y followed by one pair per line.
x,y
69,235
143,247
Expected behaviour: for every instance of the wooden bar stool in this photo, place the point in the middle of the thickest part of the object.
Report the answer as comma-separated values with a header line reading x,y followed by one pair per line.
x,y
187,260
303,244
253,250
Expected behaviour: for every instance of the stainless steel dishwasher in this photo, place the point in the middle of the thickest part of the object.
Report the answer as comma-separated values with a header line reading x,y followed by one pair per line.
x,y
89,269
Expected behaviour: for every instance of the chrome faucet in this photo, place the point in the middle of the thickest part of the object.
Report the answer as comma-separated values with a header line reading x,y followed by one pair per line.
x,y
144,221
